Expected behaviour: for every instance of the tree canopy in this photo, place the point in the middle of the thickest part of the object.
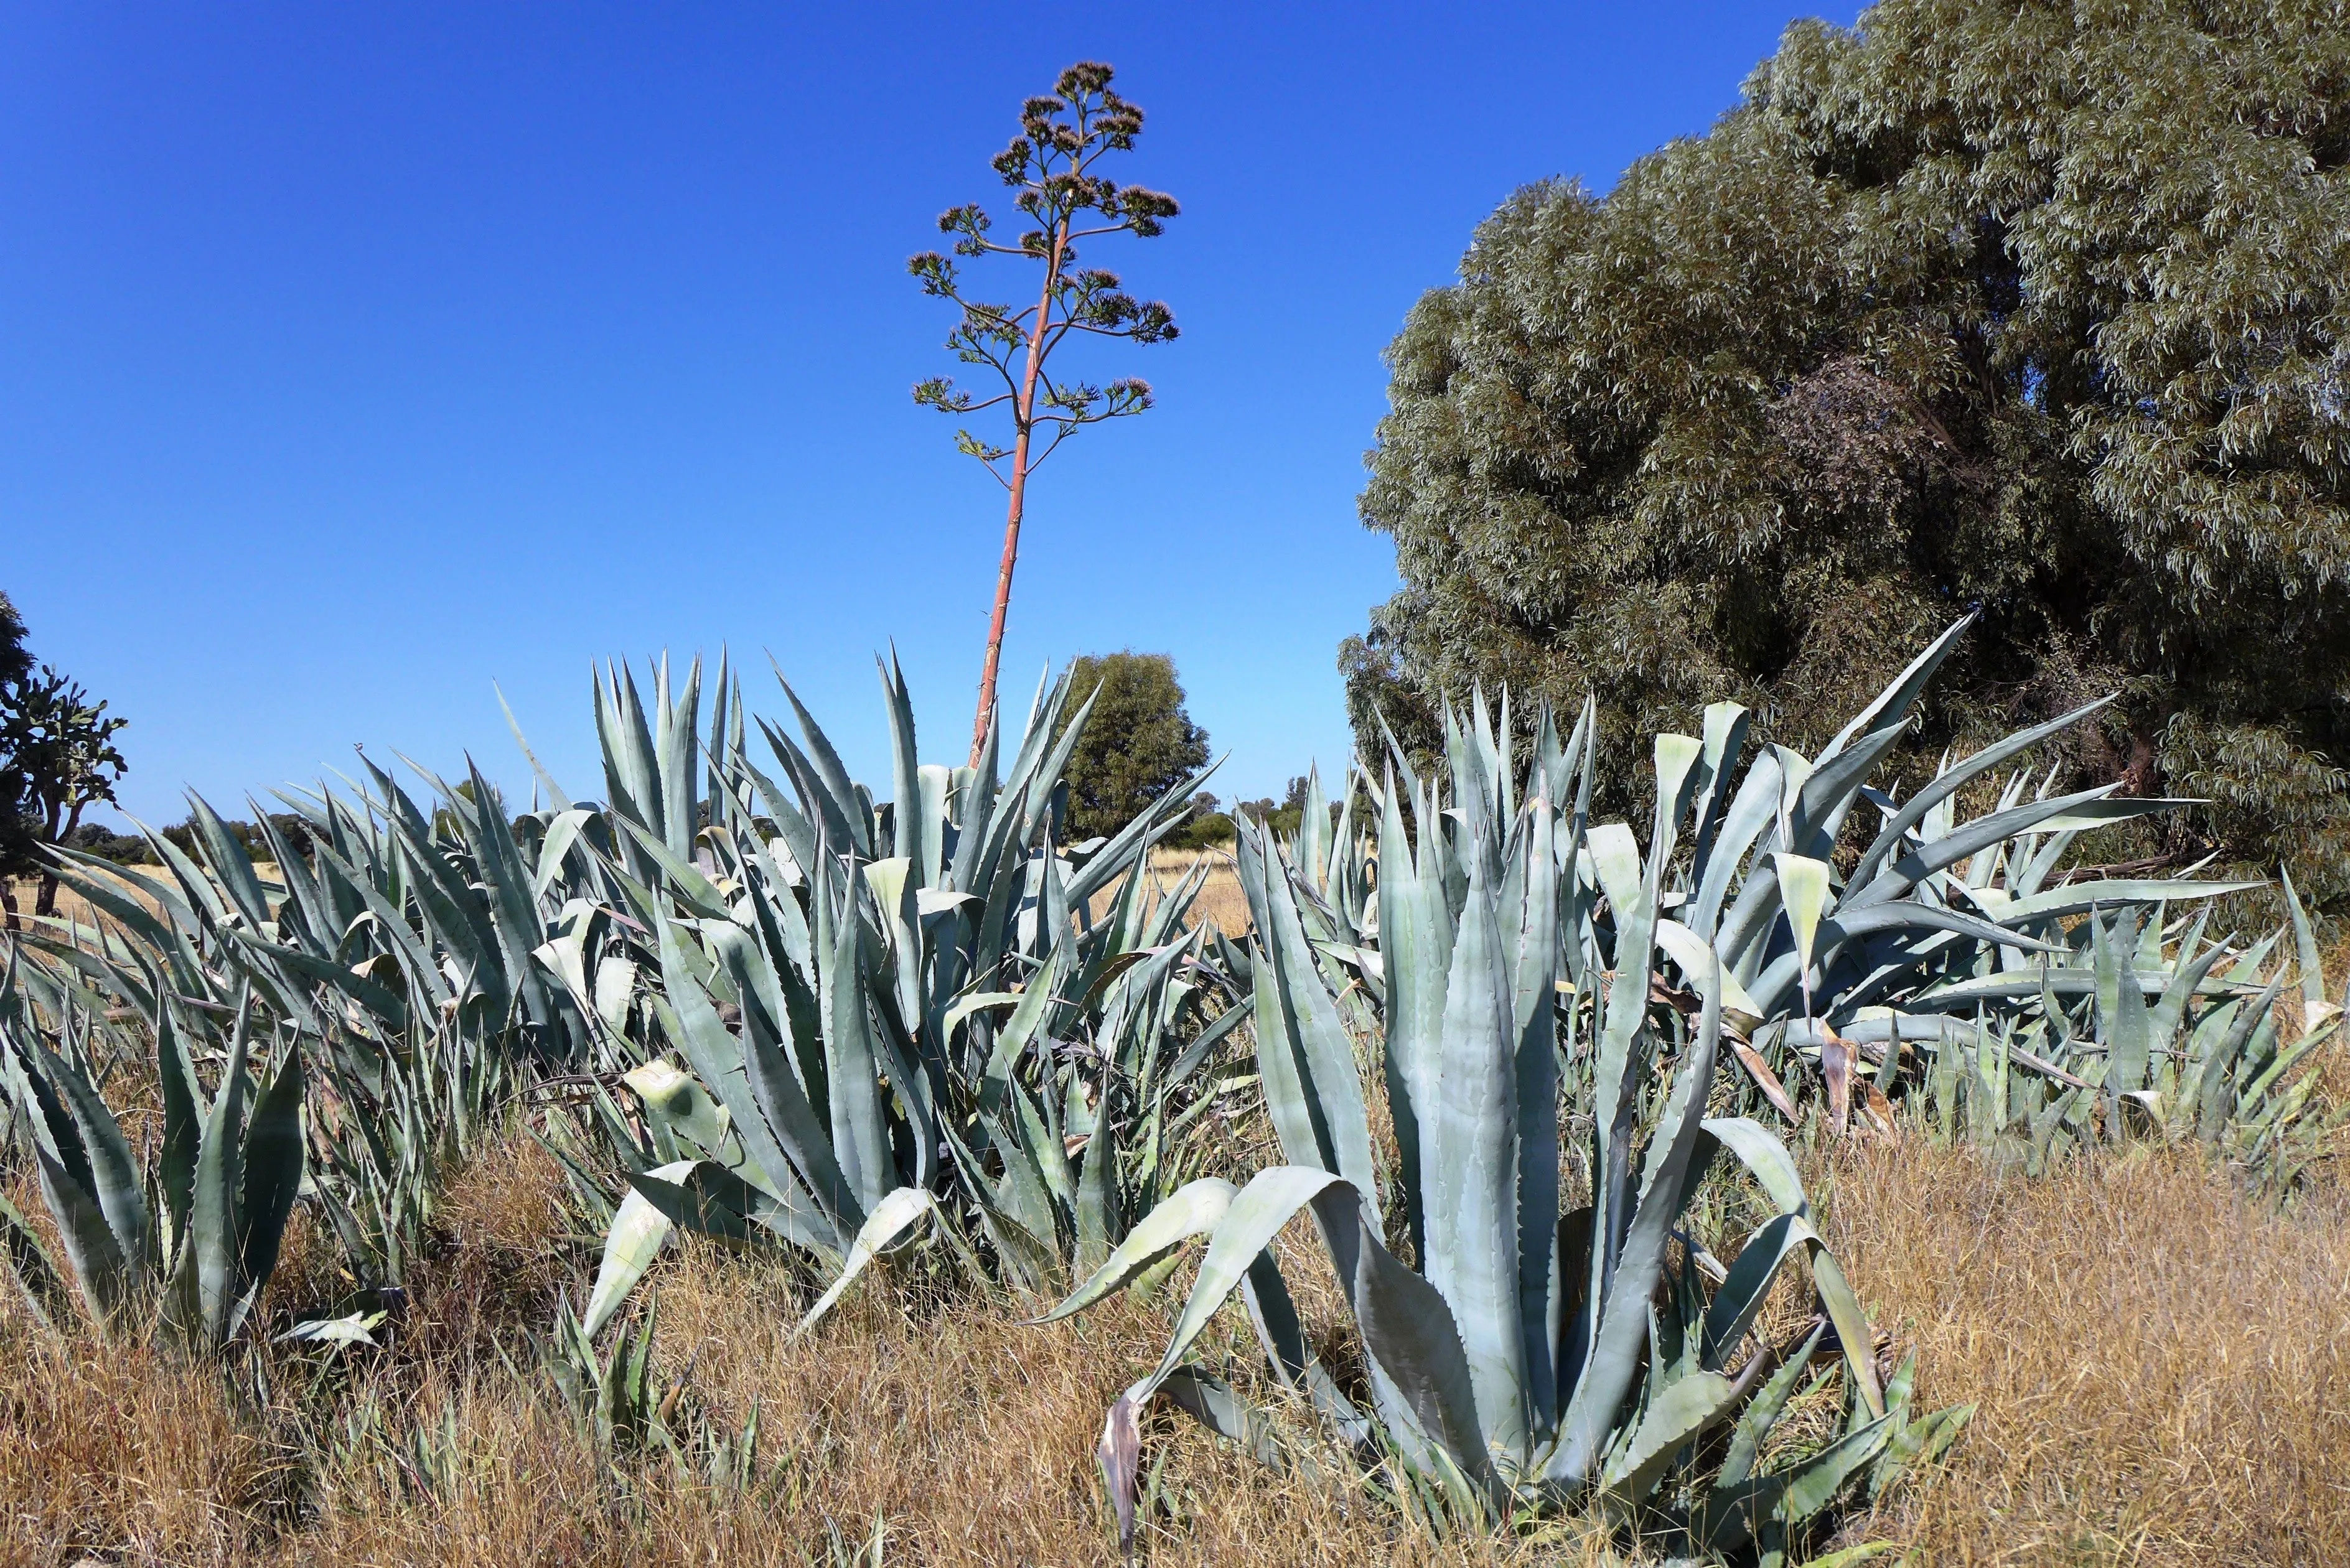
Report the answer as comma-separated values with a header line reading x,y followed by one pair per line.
x,y
57,758
2032,306
1138,742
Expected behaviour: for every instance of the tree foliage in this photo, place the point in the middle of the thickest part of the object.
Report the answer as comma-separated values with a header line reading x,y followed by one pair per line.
x,y
2031,306
57,759
1138,743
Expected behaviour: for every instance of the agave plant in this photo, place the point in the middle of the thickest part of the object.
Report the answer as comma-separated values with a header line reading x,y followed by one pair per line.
x,y
1519,965
860,1034
2140,1028
227,1171
1524,1360
1938,917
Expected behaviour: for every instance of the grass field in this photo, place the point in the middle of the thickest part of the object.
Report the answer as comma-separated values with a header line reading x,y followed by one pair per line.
x,y
2160,1363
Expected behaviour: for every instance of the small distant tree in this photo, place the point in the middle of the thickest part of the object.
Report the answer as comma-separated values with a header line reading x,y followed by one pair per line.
x,y
62,759
1138,743
1051,164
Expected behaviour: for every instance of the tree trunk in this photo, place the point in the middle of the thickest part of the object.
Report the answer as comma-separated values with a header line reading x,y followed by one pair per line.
x,y
47,904
1024,413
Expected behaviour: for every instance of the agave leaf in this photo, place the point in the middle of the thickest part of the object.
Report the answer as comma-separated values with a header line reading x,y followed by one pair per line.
x,y
1315,1040
1195,1208
1952,779
106,1168
1414,1340
1209,1400
1729,1515
1804,894
793,1141
678,1101
639,1228
1415,950
893,1218
1674,1418
1742,1294
2315,1008
206,1285
29,1265
271,1175
1471,1132
1763,1413
1895,701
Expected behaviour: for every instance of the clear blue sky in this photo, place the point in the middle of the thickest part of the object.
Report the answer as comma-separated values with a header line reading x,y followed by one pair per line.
x,y
354,358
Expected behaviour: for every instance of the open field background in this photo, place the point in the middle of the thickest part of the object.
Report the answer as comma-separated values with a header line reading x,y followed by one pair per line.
x,y
2160,1363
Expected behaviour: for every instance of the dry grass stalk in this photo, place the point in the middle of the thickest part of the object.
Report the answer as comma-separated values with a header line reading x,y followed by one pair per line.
x,y
2158,1360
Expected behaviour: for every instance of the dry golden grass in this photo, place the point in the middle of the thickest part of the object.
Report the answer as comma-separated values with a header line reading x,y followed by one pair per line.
x,y
1220,901
2161,1364
965,1433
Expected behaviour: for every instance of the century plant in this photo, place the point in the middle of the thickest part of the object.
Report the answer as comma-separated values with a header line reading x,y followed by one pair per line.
x,y
884,1013
225,1174
1054,165
2142,1028
1525,971
1525,1361
1928,918
402,943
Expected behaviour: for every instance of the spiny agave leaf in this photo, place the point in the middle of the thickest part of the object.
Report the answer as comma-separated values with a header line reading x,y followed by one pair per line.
x,y
2202,1101
205,1284
1952,779
1312,1088
639,1228
562,802
893,1218
1894,702
1252,1218
1416,953
231,867
271,1176
767,1112
1470,1134
1751,811
1803,893
1729,1515
905,766
107,1169
37,1277
1851,1321
1763,1413
1765,1157
678,1100
1415,1343
2315,1008
1195,1208
2079,898
1742,1294
1209,1400
1676,1153
1676,1415
1130,843
1687,949
1975,837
